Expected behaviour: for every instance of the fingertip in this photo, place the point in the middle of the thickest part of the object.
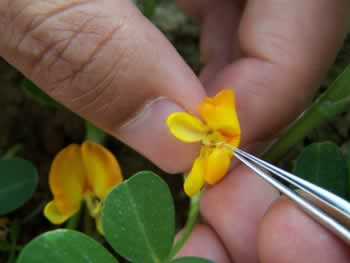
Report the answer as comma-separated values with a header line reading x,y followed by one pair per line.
x,y
149,134
234,207
204,243
107,63
289,235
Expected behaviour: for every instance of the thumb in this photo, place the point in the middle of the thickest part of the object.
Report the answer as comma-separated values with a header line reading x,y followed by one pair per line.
x,y
283,60
105,61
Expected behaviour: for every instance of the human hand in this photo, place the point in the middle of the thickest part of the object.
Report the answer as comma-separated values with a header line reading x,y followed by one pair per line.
x,y
106,62
280,51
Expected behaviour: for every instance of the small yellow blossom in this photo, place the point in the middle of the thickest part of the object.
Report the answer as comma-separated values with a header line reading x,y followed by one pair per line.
x,y
79,173
219,129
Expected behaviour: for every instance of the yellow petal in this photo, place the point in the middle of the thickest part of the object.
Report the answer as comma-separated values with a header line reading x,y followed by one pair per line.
x,y
235,140
53,214
220,113
195,179
67,180
217,165
186,127
102,168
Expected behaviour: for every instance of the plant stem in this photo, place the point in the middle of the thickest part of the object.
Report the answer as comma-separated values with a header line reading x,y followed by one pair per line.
x,y
35,212
6,246
74,221
332,102
92,133
14,234
12,152
149,7
88,224
191,222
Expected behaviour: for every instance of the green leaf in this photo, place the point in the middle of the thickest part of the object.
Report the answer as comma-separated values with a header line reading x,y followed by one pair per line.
x,y
191,260
4,246
324,165
18,181
138,218
335,100
38,95
149,7
64,246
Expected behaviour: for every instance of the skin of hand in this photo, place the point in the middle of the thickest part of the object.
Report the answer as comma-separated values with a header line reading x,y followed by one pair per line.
x,y
106,62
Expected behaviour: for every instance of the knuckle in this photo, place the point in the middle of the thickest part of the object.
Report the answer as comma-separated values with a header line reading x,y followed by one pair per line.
x,y
62,44
85,78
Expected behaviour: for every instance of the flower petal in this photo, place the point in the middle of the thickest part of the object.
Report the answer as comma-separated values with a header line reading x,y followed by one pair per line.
x,y
102,168
235,140
54,215
220,113
186,127
217,165
195,179
67,180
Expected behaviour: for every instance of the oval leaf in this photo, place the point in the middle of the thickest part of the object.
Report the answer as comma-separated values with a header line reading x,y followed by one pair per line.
x,y
65,246
191,260
138,218
18,181
324,165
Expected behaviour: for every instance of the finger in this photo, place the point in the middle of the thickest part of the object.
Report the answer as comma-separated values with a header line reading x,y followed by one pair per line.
x,y
219,22
234,208
289,235
204,243
285,56
325,207
105,61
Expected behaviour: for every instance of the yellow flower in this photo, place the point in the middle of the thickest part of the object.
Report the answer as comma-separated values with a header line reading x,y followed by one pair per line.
x,y
79,173
218,130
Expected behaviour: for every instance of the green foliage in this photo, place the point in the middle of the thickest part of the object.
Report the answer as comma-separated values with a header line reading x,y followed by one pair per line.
x,y
324,165
18,181
38,95
138,219
149,7
65,246
92,133
334,101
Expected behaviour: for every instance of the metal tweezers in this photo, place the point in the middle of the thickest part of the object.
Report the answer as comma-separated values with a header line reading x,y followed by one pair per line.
x,y
333,203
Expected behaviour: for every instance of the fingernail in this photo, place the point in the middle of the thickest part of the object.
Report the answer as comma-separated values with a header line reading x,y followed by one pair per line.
x,y
148,134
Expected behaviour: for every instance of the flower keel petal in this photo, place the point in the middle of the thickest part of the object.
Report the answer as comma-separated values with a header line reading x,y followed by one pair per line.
x,y
195,179
102,168
67,179
53,214
217,165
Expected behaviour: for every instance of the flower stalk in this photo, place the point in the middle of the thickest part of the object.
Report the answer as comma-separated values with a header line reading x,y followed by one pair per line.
x,y
192,219
332,102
